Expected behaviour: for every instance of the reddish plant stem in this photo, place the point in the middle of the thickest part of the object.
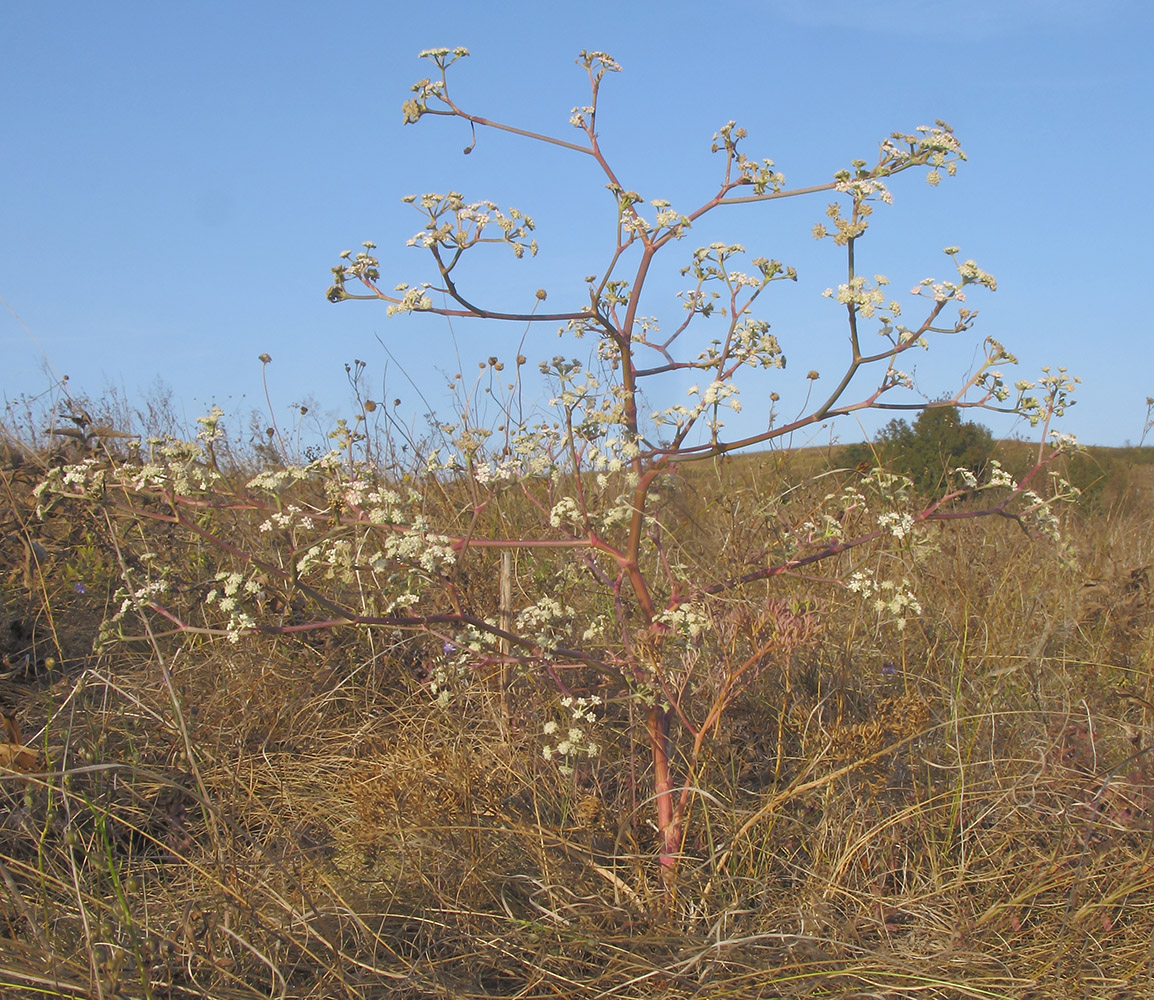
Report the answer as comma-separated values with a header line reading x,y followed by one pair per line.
x,y
668,819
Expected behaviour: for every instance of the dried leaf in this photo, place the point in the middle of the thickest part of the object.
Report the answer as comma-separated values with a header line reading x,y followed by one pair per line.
x,y
15,757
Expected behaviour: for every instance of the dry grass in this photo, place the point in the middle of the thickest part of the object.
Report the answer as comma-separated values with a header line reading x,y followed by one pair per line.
x,y
963,809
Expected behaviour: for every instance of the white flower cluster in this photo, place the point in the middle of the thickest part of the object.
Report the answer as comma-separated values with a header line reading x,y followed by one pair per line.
x,y
895,377
578,117
435,463
755,346
611,455
1057,387
898,523
535,448
596,629
411,543
140,597
844,229
548,622
210,426
365,267
454,224
575,742
411,300
577,394
717,393
969,480
274,480
935,146
333,555
172,465
438,55
887,597
233,589
600,62
761,174
231,585
709,262
616,513
973,275
864,188
688,620
669,219
945,291
999,477
596,416
675,416
595,435
487,472
1040,512
434,553
291,517
991,381
698,301
425,89
86,478
378,505
864,297
566,511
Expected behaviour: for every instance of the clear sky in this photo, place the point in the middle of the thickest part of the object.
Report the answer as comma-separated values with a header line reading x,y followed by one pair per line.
x,y
176,180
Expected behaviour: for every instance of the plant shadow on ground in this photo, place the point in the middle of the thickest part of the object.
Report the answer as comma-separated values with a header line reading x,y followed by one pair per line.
x,y
961,809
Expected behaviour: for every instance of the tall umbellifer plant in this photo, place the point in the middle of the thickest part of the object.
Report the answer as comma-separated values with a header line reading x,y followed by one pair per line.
x,y
578,483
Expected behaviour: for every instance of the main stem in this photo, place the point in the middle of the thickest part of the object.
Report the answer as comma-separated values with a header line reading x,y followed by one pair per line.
x,y
668,820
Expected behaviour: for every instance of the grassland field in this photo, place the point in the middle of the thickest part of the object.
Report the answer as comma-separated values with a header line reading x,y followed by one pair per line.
x,y
960,809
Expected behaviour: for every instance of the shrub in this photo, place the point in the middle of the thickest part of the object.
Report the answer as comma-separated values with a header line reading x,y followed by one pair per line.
x,y
624,615
928,452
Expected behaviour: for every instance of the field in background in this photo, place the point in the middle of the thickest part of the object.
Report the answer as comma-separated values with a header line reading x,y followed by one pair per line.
x,y
961,809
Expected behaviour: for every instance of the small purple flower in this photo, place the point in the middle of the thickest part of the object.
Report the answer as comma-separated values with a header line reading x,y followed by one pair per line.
x,y
80,588
888,669
448,649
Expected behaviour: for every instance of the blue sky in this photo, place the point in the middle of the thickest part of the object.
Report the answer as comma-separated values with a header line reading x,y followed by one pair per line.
x,y
177,179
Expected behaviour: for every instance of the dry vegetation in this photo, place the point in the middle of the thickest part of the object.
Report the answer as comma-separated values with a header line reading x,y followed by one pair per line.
x,y
962,809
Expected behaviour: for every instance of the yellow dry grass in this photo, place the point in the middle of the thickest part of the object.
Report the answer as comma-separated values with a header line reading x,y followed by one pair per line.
x,y
962,809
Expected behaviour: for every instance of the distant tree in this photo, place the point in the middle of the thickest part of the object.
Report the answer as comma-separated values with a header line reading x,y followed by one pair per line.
x,y
928,452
